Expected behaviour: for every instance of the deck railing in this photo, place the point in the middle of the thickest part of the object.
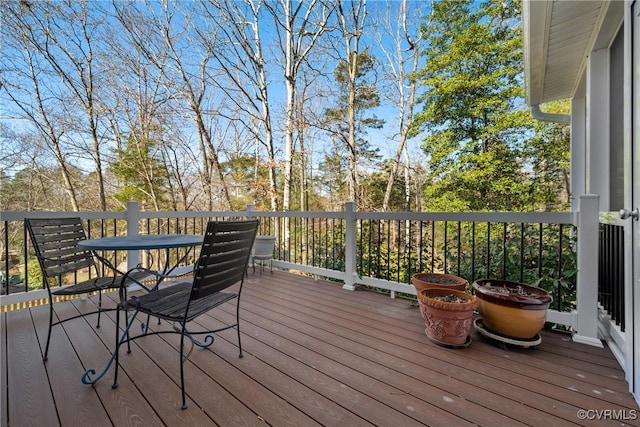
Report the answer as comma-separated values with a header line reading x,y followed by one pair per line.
x,y
369,249
611,273
614,264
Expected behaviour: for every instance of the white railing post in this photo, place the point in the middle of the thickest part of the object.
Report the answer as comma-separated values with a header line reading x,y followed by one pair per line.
x,y
585,324
350,249
133,222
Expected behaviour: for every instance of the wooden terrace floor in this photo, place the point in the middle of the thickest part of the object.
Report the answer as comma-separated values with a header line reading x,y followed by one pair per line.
x,y
315,354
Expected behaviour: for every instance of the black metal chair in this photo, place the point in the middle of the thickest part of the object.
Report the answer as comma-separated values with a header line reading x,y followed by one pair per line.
x,y
223,261
55,242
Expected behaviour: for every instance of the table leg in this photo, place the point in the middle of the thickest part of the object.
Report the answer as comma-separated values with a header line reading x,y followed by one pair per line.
x,y
87,376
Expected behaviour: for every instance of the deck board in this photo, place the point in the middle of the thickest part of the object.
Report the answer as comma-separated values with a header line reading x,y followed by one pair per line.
x,y
424,380
314,354
29,397
452,367
399,391
360,394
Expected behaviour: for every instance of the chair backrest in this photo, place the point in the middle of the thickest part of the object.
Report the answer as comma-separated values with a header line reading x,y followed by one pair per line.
x,y
55,242
224,256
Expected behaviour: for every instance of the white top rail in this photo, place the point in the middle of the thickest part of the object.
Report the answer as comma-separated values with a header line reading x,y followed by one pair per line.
x,y
509,217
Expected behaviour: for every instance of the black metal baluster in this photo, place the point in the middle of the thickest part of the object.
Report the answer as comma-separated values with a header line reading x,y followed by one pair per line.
x,y
488,249
446,244
433,244
559,290
504,251
459,246
473,251
522,230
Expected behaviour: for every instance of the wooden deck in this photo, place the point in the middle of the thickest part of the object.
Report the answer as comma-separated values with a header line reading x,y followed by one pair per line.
x,y
314,355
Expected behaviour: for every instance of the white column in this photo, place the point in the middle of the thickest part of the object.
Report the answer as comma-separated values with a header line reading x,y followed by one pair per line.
x,y
585,323
578,150
597,122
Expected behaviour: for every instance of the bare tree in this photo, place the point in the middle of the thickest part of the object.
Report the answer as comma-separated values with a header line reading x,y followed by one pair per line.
x,y
299,26
174,54
352,16
307,100
303,99
238,52
402,64
144,105
189,88
47,39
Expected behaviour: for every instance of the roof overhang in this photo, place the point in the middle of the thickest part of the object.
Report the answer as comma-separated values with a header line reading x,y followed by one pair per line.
x,y
558,37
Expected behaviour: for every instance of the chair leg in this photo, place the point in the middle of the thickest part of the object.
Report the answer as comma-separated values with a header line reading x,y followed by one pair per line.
x,y
238,328
99,308
46,348
126,322
184,399
117,347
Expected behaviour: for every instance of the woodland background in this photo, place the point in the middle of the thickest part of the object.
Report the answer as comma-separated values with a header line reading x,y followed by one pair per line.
x,y
211,105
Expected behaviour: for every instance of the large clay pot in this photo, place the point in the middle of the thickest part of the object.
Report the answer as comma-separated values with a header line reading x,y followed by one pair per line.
x,y
510,308
447,323
423,281
438,280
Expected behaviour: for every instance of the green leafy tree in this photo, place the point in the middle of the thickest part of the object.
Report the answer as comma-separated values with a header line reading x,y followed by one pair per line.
x,y
140,168
245,185
485,150
376,184
548,154
330,180
473,110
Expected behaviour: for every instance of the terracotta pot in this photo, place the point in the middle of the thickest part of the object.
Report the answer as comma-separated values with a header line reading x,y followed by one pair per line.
x,y
447,323
437,280
510,308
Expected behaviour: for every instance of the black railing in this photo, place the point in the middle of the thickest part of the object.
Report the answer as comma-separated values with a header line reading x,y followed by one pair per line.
x,y
18,261
611,268
537,254
386,249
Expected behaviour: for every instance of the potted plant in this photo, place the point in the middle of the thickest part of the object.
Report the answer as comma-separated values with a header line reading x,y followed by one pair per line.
x,y
448,315
510,308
